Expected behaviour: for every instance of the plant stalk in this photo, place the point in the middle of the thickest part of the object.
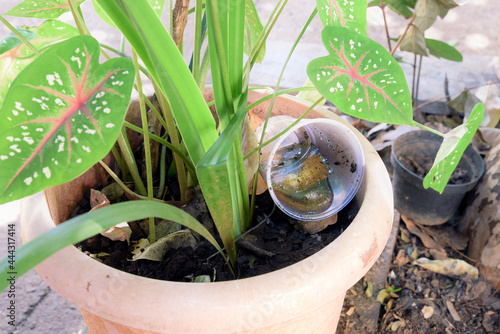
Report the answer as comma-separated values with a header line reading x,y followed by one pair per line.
x,y
185,159
403,35
80,24
429,129
147,144
174,139
19,35
382,7
123,185
128,156
197,40
163,172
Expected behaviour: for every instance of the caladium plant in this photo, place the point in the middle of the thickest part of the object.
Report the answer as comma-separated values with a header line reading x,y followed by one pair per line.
x,y
365,81
361,78
15,55
65,110
43,9
71,121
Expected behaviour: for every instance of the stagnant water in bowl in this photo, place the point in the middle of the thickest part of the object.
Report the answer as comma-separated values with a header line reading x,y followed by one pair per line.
x,y
300,178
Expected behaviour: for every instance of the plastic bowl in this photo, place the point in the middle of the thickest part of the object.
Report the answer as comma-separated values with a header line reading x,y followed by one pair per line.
x,y
336,154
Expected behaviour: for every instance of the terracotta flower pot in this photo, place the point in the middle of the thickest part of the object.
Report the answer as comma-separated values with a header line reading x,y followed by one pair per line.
x,y
306,297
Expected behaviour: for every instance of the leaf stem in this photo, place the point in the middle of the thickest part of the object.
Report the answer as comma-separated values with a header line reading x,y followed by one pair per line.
x,y
80,24
123,185
147,144
185,159
19,35
382,7
175,140
128,156
318,101
265,33
403,35
119,161
429,129
278,93
163,171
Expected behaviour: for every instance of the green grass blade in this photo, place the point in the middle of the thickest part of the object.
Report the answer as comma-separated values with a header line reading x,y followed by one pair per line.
x,y
92,223
152,42
216,174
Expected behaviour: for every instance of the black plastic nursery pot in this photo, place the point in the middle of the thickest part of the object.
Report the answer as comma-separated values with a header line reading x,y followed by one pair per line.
x,y
427,206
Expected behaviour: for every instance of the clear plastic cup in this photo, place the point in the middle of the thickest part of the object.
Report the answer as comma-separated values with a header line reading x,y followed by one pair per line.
x,y
313,170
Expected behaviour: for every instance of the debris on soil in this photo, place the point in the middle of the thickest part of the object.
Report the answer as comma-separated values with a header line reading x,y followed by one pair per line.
x,y
421,165
271,245
422,301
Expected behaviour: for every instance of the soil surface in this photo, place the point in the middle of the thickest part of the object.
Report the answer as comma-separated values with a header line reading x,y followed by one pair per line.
x,y
421,165
417,300
434,303
272,244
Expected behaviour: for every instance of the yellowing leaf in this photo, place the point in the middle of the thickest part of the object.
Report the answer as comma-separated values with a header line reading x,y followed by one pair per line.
x,y
397,324
383,297
202,279
140,246
311,95
449,267
414,41
369,289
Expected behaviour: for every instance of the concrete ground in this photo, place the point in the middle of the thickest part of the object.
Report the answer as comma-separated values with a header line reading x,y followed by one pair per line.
x,y
474,26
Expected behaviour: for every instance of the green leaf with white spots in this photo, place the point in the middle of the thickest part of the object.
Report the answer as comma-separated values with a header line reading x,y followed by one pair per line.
x,y
255,28
61,115
344,13
451,150
11,41
42,9
361,78
17,56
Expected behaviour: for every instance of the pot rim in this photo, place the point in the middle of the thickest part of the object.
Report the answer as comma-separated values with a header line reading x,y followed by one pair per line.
x,y
242,304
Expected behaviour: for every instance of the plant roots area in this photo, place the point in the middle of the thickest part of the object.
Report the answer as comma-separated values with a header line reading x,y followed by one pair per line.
x,y
271,244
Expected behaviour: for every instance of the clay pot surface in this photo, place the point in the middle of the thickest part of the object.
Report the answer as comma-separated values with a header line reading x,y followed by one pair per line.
x,y
306,297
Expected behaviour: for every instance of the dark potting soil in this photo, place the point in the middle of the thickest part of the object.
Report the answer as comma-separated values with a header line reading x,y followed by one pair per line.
x,y
274,244
421,165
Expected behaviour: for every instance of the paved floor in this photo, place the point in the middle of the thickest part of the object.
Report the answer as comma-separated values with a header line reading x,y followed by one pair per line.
x,y
475,27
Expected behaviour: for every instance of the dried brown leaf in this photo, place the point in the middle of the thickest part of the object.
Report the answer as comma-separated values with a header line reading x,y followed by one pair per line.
x,y
453,311
97,200
427,311
119,232
157,250
427,240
